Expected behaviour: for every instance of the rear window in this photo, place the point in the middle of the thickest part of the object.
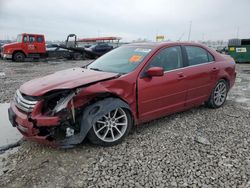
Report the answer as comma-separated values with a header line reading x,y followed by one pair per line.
x,y
40,39
197,55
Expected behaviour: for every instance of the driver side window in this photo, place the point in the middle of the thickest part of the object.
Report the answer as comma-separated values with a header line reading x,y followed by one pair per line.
x,y
168,58
31,39
24,38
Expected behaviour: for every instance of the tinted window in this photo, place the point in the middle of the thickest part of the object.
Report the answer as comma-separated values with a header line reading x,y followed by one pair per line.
x,y
25,38
39,39
103,45
31,39
210,57
197,55
168,58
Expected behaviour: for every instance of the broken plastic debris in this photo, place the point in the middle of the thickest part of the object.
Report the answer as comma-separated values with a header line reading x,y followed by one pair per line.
x,y
2,74
202,140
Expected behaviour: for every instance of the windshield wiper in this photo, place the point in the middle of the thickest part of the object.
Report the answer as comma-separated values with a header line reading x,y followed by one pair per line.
x,y
96,69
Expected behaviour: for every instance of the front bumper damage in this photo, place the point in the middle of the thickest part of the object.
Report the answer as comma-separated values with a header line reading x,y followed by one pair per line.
x,y
34,128
28,126
61,118
43,129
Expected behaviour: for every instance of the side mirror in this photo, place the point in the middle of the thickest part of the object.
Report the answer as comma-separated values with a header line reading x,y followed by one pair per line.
x,y
155,71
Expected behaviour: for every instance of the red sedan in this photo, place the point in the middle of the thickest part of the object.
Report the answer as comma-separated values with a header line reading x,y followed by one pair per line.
x,y
130,85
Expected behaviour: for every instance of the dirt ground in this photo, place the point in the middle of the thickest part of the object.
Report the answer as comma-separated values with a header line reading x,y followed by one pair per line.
x,y
17,73
198,148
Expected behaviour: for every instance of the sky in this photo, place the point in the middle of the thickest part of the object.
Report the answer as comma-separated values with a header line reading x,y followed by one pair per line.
x,y
129,19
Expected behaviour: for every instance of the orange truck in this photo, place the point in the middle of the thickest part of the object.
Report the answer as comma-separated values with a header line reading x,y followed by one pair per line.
x,y
27,45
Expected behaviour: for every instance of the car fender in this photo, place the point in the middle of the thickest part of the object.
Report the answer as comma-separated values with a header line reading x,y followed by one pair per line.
x,y
227,72
91,114
118,89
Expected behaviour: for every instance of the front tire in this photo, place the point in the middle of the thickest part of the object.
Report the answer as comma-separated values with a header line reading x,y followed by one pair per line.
x,y
18,57
111,128
218,95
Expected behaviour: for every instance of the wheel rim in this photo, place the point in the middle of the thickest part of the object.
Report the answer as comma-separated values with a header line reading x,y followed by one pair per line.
x,y
112,126
220,94
19,57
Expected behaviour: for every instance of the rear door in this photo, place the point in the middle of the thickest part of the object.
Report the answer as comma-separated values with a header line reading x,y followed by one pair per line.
x,y
159,96
40,44
201,74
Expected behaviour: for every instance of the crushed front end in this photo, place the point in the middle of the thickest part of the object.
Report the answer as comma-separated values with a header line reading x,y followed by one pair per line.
x,y
51,119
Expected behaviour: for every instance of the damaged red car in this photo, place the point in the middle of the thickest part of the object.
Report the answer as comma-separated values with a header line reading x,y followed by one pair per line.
x,y
132,84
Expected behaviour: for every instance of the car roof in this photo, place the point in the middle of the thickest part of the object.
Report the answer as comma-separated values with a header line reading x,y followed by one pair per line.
x,y
31,34
163,44
159,45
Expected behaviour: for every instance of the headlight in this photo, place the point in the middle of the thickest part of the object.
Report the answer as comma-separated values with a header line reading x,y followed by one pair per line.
x,y
56,101
62,103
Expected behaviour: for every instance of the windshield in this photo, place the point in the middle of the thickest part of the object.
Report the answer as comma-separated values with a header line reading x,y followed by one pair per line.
x,y
121,60
19,38
93,46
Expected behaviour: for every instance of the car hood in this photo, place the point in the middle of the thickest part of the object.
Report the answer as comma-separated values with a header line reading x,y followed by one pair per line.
x,y
13,44
66,79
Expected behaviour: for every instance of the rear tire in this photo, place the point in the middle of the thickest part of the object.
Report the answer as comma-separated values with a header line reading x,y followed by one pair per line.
x,y
18,57
218,95
111,128
77,56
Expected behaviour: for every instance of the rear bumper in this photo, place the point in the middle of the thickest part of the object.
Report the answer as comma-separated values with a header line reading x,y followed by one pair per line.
x,y
28,127
232,81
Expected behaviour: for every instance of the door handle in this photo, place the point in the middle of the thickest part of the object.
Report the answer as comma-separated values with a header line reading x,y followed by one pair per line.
x,y
181,76
214,69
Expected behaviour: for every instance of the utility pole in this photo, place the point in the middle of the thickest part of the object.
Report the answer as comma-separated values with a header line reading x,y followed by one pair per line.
x,y
237,34
190,28
181,36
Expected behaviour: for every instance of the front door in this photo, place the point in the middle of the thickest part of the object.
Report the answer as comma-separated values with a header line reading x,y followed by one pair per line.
x,y
159,96
30,44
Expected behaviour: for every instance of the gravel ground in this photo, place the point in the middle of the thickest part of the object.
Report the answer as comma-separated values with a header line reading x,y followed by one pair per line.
x,y
198,148
15,74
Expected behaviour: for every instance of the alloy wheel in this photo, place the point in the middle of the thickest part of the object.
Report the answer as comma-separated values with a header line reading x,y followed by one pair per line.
x,y
112,126
220,93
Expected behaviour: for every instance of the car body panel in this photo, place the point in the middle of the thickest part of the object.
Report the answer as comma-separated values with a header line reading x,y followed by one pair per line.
x,y
66,79
200,81
158,96
11,47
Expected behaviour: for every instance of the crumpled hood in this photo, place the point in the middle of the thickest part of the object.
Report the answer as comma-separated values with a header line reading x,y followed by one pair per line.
x,y
66,79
